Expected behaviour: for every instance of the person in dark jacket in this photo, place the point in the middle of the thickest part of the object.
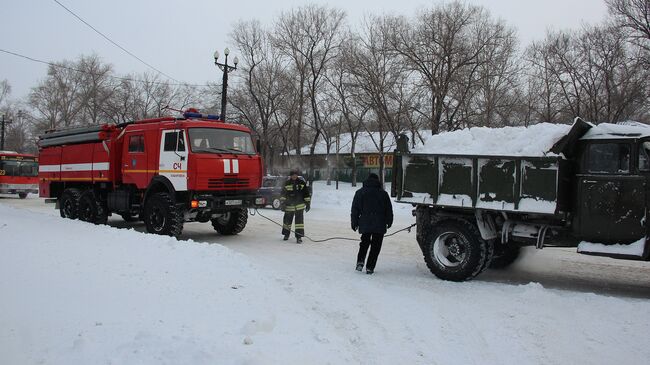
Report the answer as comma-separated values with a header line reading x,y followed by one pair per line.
x,y
372,214
295,199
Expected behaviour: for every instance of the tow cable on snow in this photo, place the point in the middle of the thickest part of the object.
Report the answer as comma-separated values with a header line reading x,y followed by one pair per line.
x,y
253,212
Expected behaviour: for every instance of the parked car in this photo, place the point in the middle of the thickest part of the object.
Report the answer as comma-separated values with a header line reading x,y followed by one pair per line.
x,y
271,190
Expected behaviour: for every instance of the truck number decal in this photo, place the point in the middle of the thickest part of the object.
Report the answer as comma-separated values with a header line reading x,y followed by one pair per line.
x,y
178,166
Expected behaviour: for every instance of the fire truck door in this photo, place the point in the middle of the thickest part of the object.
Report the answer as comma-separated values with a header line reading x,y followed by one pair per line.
x,y
173,158
134,160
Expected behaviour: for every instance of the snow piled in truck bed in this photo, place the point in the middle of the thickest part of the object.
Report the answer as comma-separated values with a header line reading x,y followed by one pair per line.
x,y
534,140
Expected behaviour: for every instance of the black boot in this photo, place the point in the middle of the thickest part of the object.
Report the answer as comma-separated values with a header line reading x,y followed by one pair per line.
x,y
286,237
369,271
359,266
299,240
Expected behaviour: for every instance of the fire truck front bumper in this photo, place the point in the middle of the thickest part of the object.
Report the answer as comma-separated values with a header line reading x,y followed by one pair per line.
x,y
226,203
18,188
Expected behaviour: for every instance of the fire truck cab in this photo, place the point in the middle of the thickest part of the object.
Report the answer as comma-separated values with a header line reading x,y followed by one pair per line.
x,y
165,171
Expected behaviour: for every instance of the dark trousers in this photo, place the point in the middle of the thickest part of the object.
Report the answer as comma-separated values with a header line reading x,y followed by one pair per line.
x,y
300,222
372,240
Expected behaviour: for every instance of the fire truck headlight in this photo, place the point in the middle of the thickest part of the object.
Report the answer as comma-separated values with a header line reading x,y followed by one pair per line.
x,y
260,201
194,204
203,203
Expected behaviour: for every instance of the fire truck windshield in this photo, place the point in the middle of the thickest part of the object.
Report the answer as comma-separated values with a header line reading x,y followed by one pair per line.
x,y
18,168
215,140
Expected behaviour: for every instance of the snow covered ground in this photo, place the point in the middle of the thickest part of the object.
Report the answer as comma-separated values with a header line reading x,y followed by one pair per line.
x,y
75,293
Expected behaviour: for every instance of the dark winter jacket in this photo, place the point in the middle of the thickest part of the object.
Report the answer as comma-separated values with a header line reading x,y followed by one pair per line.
x,y
371,211
295,194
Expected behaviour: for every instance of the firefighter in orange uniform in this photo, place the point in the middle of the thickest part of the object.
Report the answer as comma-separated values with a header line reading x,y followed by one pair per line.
x,y
296,200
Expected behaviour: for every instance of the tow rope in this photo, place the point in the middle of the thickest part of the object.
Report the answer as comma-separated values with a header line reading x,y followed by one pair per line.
x,y
253,212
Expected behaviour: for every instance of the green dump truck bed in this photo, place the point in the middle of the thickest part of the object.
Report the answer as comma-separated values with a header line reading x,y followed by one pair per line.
x,y
503,183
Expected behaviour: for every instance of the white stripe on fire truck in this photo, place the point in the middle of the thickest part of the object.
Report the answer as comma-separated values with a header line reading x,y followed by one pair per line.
x,y
226,166
235,166
74,167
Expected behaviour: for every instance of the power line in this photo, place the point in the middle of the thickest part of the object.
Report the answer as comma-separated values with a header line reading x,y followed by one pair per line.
x,y
87,72
114,43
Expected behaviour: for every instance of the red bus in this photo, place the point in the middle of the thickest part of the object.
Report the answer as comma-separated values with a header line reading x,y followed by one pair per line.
x,y
18,173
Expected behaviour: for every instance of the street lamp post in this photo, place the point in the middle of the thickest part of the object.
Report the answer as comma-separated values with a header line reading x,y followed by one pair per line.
x,y
226,69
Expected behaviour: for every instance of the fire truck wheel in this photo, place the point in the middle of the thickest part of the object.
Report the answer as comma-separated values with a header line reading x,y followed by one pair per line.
x,y
504,257
22,195
231,223
161,215
91,209
277,204
455,251
69,203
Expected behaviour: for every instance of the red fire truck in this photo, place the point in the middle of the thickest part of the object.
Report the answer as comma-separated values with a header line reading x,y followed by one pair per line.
x,y
167,171
18,173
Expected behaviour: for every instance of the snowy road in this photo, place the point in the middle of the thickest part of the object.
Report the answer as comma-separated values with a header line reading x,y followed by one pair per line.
x,y
307,303
560,268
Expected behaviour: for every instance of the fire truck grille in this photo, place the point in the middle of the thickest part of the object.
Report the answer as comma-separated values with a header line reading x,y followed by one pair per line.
x,y
229,182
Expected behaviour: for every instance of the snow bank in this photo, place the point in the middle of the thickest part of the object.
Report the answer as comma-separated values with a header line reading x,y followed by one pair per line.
x,y
633,249
534,140
75,293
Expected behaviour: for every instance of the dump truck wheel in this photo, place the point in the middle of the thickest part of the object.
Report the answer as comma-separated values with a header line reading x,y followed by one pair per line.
x,y
161,215
455,250
22,195
91,210
231,223
505,257
69,203
276,204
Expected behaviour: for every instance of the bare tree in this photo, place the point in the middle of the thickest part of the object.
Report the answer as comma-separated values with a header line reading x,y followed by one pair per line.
x,y
443,47
634,15
5,90
310,36
259,95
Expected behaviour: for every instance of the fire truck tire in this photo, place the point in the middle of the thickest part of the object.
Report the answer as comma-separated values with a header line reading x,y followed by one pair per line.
x,y
91,209
69,203
22,195
505,257
277,203
455,251
232,222
162,217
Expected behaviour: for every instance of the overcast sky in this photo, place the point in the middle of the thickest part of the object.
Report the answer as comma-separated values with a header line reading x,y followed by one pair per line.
x,y
179,37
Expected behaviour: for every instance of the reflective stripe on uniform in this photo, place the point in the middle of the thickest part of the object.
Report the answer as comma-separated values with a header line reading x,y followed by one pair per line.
x,y
288,187
300,226
307,199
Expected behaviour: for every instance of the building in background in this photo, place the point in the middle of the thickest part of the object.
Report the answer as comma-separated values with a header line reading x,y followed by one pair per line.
x,y
333,158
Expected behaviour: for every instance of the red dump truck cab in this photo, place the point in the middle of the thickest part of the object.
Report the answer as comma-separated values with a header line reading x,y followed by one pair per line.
x,y
18,173
165,171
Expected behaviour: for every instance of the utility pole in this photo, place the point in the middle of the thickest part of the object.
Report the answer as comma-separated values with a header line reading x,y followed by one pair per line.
x,y
2,136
